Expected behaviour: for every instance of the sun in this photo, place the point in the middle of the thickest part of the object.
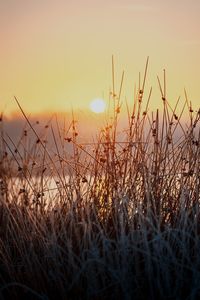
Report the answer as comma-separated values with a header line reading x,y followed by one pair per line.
x,y
98,106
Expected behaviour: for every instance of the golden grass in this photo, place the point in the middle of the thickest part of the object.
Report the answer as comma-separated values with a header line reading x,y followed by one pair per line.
x,y
117,218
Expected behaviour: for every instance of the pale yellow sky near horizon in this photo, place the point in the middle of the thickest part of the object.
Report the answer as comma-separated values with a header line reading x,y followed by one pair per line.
x,y
56,55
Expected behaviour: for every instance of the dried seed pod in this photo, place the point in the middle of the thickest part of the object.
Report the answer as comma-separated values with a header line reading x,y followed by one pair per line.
x,y
69,139
84,179
102,160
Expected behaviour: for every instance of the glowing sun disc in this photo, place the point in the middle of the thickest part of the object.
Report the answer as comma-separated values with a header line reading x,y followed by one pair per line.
x,y
98,106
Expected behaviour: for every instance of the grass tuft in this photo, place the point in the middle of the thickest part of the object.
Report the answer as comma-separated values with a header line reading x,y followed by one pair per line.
x,y
117,218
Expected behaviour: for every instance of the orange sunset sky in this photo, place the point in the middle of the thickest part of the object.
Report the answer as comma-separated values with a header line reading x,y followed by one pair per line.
x,y
56,54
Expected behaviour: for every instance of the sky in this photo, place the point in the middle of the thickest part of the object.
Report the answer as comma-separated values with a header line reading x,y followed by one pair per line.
x,y
56,55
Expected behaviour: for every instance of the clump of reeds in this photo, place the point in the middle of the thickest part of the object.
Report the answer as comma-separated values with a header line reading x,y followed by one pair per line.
x,y
114,219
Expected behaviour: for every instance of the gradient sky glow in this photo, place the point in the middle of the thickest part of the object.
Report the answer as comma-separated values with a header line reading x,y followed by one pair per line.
x,y
57,54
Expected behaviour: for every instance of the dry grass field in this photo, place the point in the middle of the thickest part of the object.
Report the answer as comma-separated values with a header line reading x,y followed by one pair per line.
x,y
117,218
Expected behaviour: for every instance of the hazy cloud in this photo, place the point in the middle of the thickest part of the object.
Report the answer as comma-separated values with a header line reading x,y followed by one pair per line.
x,y
138,7
191,42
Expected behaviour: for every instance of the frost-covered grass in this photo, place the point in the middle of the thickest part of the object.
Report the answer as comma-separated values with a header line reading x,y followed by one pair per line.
x,y
115,219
